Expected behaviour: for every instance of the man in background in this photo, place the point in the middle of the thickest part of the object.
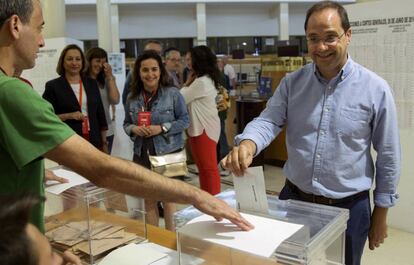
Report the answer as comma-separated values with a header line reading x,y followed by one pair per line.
x,y
172,58
230,73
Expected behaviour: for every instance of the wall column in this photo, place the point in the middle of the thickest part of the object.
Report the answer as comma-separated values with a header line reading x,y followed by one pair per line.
x,y
283,21
103,12
201,24
115,28
55,16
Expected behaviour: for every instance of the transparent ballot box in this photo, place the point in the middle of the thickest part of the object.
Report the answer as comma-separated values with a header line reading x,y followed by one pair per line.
x,y
92,221
321,239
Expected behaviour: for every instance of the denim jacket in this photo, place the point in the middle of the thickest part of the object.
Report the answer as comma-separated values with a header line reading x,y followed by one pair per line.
x,y
168,109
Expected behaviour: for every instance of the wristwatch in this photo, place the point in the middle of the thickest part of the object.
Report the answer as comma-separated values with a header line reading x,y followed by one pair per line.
x,y
164,128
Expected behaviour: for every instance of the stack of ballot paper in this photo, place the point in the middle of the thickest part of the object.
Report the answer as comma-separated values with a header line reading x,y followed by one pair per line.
x,y
102,236
133,254
263,240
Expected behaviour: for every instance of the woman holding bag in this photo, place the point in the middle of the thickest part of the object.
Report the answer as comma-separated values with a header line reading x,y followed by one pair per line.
x,y
155,118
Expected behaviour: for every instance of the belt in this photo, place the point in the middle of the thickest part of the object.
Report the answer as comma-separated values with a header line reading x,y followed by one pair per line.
x,y
321,199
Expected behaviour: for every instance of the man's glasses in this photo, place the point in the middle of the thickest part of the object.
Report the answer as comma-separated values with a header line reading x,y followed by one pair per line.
x,y
330,40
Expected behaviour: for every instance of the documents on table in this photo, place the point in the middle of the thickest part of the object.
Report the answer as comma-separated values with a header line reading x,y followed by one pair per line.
x,y
133,254
250,191
171,255
263,240
73,178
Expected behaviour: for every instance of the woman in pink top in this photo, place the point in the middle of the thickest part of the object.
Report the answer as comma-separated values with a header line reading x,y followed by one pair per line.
x,y
200,93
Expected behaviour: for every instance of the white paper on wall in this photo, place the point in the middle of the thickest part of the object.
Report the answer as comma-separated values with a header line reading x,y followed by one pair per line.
x,y
385,45
46,62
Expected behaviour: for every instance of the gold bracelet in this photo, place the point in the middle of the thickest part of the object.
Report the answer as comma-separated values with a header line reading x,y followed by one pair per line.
x,y
110,78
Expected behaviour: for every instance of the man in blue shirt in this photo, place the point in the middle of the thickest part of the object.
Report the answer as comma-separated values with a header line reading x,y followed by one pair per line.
x,y
334,110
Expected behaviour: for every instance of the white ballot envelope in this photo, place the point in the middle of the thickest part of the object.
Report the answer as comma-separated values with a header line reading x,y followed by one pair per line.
x,y
250,191
73,178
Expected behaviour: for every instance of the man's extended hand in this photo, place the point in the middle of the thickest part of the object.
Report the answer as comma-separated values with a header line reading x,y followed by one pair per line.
x,y
49,175
219,209
240,157
378,230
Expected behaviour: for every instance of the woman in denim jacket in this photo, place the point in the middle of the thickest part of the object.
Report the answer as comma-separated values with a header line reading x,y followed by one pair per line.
x,y
155,118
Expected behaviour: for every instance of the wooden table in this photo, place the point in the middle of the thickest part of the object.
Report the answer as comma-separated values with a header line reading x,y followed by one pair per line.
x,y
162,237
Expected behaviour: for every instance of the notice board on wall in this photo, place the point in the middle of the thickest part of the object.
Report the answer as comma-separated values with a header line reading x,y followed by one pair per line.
x,y
383,41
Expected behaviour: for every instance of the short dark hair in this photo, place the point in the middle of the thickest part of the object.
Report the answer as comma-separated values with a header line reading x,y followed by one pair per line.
x,y
169,50
96,53
329,5
204,62
60,70
16,247
22,8
153,42
137,85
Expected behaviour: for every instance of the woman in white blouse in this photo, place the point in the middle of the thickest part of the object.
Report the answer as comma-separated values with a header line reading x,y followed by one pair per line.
x,y
200,93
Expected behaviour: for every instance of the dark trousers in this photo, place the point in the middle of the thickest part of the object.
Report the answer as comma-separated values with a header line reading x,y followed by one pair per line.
x,y
357,226
110,140
222,145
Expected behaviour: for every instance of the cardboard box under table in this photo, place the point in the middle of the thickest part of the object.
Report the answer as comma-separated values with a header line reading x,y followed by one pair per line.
x,y
321,240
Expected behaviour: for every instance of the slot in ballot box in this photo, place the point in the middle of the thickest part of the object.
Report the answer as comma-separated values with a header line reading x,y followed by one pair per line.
x,y
92,221
320,241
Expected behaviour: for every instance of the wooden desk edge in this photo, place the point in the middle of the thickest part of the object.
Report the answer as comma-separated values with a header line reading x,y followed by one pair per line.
x,y
162,237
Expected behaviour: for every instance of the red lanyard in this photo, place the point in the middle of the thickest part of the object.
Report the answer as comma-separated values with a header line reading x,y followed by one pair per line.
x,y
26,81
4,72
148,100
21,78
80,94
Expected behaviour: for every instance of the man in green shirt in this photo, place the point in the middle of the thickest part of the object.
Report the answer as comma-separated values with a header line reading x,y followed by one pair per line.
x,y
29,131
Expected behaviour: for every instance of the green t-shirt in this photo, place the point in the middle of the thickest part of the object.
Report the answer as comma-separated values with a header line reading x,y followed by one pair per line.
x,y
28,129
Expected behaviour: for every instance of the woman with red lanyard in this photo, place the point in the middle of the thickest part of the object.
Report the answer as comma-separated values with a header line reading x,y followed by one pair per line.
x,y
155,119
76,98
200,93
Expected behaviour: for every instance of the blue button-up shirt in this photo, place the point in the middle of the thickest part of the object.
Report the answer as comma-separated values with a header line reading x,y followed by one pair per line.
x,y
330,126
